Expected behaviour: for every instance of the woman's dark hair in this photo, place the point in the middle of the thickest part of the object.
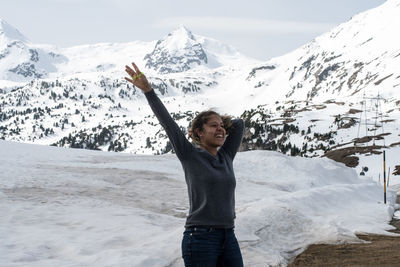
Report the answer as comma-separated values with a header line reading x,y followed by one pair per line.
x,y
201,119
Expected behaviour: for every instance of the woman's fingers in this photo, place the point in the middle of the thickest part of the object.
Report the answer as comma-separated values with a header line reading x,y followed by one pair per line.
x,y
135,67
137,78
129,80
132,73
129,71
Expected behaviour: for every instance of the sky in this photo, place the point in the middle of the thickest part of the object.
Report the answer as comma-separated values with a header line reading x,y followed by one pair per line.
x,y
257,28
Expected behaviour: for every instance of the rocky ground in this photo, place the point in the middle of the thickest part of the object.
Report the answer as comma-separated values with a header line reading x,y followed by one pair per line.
x,y
379,251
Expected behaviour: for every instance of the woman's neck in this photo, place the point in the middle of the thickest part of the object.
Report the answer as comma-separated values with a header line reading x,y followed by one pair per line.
x,y
210,149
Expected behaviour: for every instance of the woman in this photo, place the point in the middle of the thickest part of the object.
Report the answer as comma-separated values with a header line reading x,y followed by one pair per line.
x,y
209,238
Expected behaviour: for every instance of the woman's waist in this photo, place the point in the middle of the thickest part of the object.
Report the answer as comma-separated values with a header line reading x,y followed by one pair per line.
x,y
208,228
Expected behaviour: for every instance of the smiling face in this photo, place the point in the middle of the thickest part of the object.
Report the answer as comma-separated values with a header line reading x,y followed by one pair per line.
x,y
212,135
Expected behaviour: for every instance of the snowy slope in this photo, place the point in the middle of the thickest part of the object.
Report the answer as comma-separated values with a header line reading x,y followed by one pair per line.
x,y
356,57
338,92
70,207
103,58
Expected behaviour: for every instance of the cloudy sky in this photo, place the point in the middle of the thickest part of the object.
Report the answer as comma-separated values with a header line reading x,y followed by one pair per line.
x,y
258,28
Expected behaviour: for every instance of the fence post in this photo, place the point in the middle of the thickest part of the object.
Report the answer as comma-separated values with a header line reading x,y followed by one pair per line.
x,y
384,177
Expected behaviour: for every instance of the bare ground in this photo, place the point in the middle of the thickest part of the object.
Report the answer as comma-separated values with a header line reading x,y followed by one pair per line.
x,y
379,251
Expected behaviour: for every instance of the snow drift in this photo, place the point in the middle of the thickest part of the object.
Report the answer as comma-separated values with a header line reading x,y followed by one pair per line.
x,y
67,207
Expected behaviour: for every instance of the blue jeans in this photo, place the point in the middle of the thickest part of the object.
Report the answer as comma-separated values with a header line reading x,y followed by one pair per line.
x,y
210,247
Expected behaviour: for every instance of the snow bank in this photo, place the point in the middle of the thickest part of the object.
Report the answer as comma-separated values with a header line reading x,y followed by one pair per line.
x,y
285,203
70,207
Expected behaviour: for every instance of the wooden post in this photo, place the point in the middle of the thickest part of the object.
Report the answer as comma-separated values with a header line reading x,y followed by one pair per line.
x,y
384,178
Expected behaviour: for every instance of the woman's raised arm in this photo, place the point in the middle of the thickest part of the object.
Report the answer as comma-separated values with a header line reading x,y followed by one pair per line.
x,y
178,140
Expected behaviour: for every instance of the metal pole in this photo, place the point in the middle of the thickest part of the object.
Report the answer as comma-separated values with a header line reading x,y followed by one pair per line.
x,y
384,178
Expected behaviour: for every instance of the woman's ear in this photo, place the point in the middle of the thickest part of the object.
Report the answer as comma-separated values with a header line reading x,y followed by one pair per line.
x,y
198,132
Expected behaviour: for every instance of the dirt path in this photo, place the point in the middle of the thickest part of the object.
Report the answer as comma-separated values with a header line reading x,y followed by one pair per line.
x,y
379,251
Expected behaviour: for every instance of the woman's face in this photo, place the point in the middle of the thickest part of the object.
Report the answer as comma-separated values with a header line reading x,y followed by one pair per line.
x,y
213,133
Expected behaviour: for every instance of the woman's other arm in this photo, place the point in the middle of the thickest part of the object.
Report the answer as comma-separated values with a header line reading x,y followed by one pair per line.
x,y
234,139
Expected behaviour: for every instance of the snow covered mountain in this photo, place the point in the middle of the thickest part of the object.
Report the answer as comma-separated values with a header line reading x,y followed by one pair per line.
x,y
21,60
343,86
181,51
359,56
178,52
336,96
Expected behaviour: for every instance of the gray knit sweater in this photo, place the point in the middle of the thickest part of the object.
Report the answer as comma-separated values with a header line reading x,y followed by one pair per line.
x,y
210,179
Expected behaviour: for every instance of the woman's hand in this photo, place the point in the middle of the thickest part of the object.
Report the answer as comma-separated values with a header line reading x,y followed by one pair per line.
x,y
137,78
227,120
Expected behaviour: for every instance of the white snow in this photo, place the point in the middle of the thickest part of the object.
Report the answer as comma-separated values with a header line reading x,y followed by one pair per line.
x,y
69,207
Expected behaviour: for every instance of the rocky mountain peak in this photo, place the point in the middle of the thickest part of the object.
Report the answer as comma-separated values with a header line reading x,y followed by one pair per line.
x,y
181,33
177,52
20,60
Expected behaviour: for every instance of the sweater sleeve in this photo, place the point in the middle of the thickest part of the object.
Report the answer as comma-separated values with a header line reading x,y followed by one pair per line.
x,y
234,139
178,140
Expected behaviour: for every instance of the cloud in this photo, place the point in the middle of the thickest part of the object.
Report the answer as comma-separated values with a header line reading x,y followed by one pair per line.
x,y
243,25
